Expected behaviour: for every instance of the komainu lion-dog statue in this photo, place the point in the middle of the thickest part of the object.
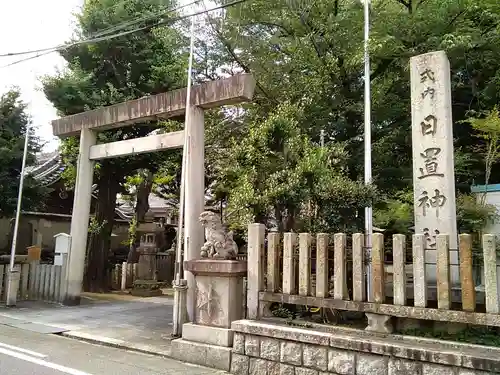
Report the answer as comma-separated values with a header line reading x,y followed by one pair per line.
x,y
219,243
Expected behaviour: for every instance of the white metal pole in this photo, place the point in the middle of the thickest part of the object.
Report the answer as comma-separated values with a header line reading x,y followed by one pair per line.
x,y
12,286
368,146
19,199
184,156
178,264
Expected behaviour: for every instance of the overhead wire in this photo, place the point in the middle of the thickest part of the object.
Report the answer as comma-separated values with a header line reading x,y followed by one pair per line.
x,y
112,36
10,54
71,45
233,54
105,32
142,19
99,33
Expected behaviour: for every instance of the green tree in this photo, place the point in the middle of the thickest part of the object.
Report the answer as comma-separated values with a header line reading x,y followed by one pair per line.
x,y
395,216
145,62
488,130
276,175
139,186
311,53
14,122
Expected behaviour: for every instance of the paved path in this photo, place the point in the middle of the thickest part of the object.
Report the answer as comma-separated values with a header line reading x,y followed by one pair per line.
x,y
143,324
24,352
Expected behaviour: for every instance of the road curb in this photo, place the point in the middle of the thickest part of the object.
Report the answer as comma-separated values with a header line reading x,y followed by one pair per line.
x,y
115,343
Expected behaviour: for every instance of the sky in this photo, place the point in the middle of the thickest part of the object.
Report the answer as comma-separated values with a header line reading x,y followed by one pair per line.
x,y
28,25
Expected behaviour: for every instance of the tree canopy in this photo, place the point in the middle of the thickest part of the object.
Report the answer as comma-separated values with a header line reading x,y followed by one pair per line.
x,y
14,122
293,157
107,72
310,54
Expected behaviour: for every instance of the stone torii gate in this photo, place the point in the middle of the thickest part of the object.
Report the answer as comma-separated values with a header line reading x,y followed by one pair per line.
x,y
233,90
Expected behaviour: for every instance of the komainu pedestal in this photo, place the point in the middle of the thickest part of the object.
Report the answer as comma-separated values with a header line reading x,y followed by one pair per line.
x,y
219,292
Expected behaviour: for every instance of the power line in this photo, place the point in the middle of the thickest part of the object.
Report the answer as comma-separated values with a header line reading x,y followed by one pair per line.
x,y
97,34
105,32
112,36
230,50
140,19
9,54
118,27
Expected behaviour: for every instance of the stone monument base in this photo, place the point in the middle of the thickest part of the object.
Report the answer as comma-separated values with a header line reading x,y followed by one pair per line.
x,y
204,345
208,335
213,356
208,340
147,288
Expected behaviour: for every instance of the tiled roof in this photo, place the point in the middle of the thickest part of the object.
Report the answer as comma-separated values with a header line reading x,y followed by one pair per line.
x,y
48,169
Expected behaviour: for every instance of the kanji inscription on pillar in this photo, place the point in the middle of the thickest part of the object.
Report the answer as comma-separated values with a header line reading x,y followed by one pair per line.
x,y
433,164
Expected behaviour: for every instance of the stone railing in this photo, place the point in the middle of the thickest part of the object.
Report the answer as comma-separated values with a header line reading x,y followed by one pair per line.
x,y
438,284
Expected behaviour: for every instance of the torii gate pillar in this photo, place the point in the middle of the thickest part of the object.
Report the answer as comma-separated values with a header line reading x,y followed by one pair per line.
x,y
195,198
233,90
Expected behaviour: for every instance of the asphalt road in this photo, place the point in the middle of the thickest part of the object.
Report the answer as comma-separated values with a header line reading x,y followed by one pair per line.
x,y
27,353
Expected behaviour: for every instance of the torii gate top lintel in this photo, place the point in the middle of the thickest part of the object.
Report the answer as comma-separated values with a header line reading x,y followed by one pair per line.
x,y
233,90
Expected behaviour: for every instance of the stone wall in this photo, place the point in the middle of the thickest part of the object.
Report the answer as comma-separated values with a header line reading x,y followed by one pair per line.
x,y
262,348
34,229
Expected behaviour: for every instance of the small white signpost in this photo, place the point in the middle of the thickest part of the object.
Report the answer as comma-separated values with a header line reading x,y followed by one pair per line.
x,y
63,243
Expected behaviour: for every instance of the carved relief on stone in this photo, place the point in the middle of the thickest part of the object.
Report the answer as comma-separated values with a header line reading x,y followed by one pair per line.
x,y
208,304
219,243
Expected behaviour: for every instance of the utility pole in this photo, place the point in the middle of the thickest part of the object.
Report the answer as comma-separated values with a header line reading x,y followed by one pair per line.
x,y
368,145
322,138
180,285
13,277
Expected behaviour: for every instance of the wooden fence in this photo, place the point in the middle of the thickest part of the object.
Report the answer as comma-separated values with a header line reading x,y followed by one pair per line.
x,y
23,283
301,270
46,282
123,275
42,282
165,263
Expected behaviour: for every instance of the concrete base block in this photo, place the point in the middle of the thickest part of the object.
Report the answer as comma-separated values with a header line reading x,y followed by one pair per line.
x,y
379,323
405,324
219,286
265,309
146,292
147,288
12,287
180,307
449,327
207,335
217,357
72,300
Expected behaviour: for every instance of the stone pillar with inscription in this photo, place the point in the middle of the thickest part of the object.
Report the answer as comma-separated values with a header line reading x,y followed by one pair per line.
x,y
433,162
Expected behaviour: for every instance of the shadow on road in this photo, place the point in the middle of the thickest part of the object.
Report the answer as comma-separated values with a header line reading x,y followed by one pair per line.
x,y
138,323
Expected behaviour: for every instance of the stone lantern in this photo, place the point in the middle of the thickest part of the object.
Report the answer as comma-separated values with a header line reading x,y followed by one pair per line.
x,y
147,257
146,284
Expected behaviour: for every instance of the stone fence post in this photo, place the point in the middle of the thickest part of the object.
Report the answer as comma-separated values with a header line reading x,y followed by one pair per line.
x,y
255,276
